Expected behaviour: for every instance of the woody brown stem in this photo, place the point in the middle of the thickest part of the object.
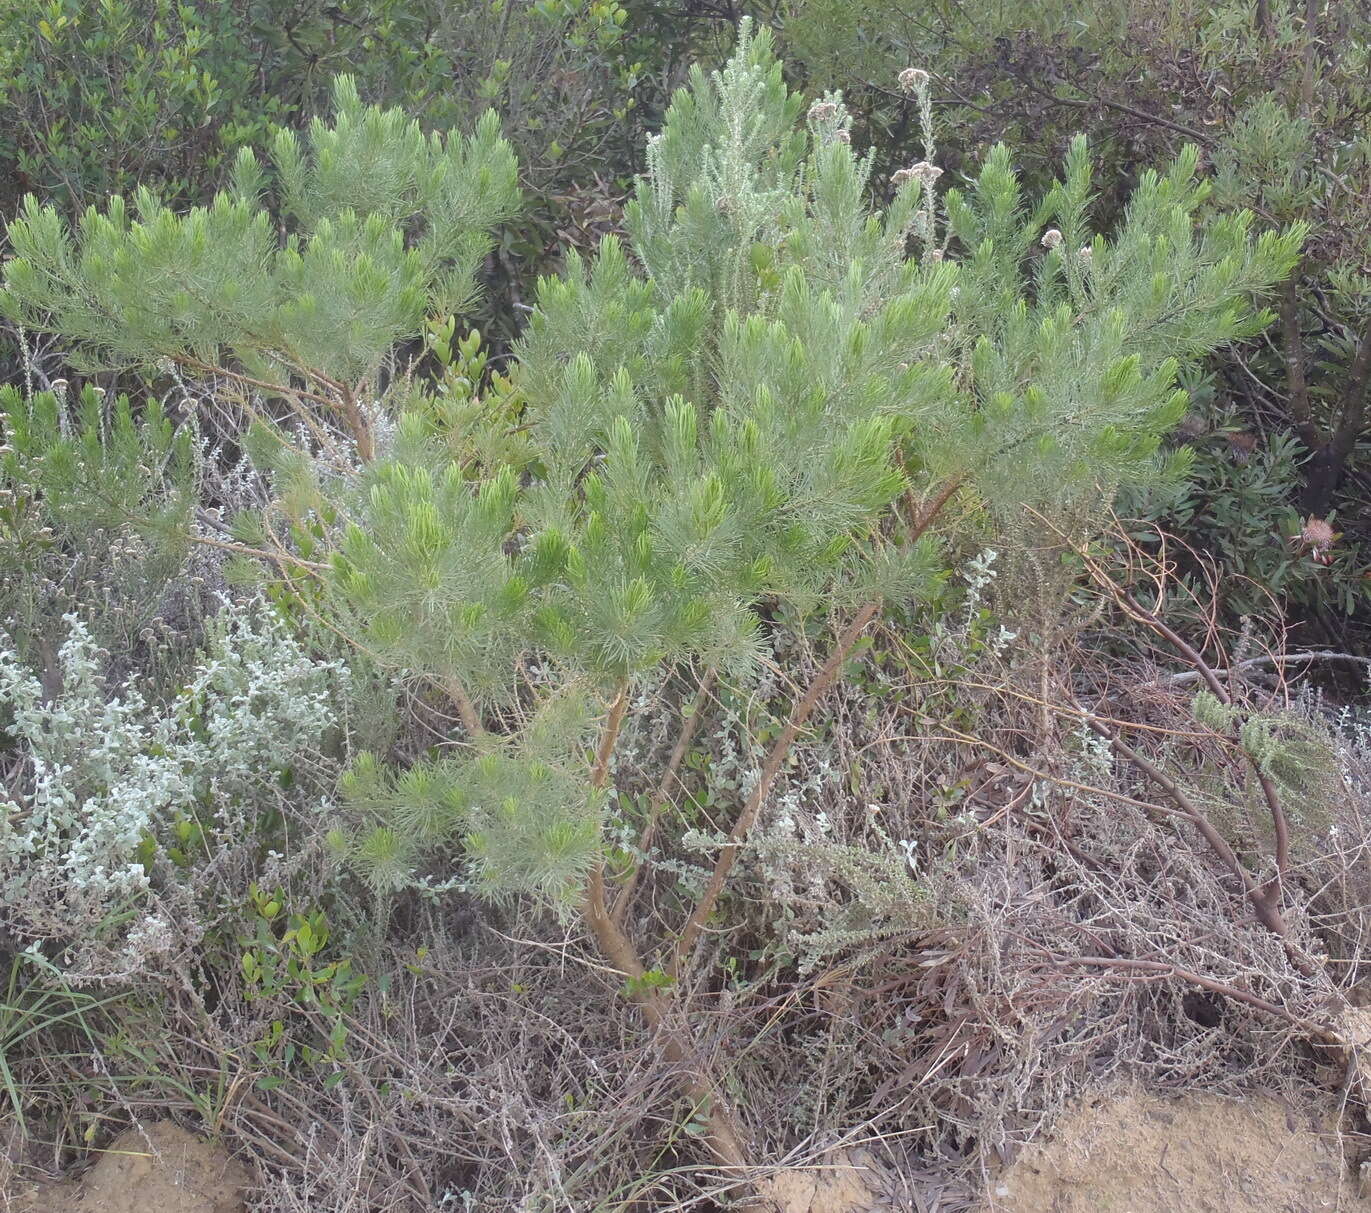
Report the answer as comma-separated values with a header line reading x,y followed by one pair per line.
x,y
361,432
599,775
722,1135
662,797
799,714
1297,386
1311,54
1265,25
1329,448
366,448
1159,969
466,710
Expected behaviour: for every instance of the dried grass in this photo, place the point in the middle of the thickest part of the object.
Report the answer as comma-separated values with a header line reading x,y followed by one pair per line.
x,y
1072,928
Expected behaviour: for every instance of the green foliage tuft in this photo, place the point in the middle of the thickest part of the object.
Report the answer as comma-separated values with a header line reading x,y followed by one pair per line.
x,y
722,410
382,225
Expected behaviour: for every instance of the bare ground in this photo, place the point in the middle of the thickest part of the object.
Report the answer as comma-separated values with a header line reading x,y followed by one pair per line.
x,y
160,1169
1125,1152
1138,1153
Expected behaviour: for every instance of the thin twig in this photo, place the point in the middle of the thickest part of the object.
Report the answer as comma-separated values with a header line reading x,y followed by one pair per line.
x,y
662,797
1156,969
244,549
1280,824
1268,914
1269,659
1096,99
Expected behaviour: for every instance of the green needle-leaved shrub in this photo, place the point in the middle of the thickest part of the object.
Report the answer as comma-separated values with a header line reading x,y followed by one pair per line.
x,y
381,225
724,414
96,501
766,395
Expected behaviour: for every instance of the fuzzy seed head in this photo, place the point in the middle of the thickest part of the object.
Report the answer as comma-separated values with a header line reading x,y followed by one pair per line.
x,y
1317,535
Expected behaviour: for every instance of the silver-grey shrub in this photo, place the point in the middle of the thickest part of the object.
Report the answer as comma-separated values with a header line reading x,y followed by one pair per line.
x,y
109,799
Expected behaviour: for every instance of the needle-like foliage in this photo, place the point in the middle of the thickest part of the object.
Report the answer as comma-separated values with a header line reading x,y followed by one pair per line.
x,y
764,394
382,224
722,409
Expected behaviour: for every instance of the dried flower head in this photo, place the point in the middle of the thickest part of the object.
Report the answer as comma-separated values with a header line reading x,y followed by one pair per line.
x,y
900,176
1316,537
843,136
1316,533
1087,255
821,110
912,79
1241,444
1052,238
926,172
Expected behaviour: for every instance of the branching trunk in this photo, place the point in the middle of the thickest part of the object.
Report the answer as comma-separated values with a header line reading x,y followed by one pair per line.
x,y
1268,913
661,1011
799,714
723,1136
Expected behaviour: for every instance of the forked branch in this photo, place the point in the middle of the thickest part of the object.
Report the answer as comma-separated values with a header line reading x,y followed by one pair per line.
x,y
780,748
799,713
722,1135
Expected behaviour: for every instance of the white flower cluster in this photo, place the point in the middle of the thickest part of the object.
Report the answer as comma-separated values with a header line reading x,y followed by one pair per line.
x,y
92,774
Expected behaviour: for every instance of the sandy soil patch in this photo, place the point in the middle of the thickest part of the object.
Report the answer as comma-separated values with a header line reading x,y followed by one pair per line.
x,y
176,1173
1138,1153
